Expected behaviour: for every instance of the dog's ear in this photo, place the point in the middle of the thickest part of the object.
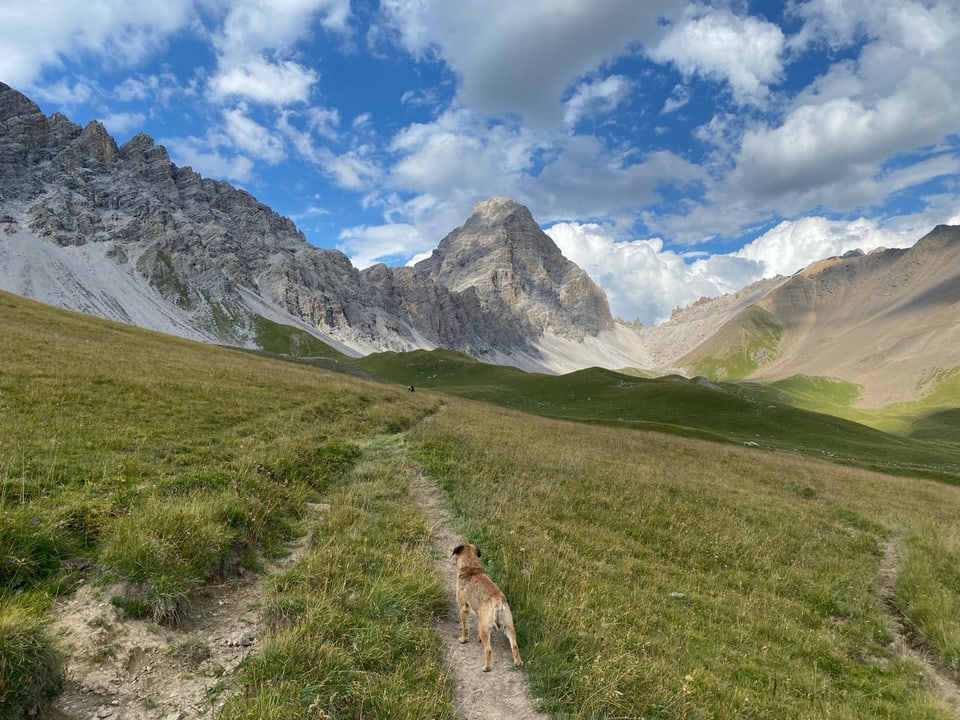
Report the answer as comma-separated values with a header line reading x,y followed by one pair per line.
x,y
458,549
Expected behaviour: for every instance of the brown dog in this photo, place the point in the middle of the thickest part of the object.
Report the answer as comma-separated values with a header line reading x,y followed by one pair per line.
x,y
477,593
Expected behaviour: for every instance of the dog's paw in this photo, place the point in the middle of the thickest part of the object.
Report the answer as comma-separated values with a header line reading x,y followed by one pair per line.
x,y
486,669
462,640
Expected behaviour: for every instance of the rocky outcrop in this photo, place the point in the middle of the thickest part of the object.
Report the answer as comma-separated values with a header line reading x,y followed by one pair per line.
x,y
213,257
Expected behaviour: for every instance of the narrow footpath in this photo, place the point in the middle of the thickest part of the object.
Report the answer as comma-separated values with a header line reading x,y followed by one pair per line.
x,y
940,679
501,693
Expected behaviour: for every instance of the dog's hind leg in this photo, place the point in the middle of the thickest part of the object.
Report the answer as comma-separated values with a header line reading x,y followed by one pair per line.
x,y
512,637
485,632
464,609
505,620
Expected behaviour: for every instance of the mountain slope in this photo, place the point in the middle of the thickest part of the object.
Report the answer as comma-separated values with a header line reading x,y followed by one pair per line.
x,y
886,321
123,233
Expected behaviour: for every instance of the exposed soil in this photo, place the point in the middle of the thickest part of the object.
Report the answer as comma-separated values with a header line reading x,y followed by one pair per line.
x,y
941,681
122,668
500,693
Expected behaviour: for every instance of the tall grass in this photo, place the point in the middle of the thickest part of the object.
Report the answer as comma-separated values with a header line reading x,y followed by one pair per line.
x,y
31,666
651,575
660,577
351,617
158,462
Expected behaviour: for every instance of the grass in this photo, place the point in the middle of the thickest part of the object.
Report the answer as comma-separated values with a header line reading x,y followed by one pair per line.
x,y
31,666
350,617
739,350
773,417
168,464
652,575
653,583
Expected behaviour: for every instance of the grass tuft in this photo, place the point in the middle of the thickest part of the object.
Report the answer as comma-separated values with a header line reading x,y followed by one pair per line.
x,y
31,665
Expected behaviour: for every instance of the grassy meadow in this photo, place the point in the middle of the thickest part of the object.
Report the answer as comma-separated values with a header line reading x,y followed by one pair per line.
x,y
652,574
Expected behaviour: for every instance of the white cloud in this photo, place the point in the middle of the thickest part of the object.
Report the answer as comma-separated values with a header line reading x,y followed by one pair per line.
x,y
256,48
64,94
253,27
252,138
744,51
368,245
791,246
197,153
821,151
123,122
595,98
642,280
276,83
519,57
121,34
350,170
459,155
679,96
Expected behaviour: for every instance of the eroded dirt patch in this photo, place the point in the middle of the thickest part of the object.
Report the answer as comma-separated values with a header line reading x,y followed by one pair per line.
x,y
122,668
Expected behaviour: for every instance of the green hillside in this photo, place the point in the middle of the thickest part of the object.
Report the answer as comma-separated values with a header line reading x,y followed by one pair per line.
x,y
651,574
747,342
726,412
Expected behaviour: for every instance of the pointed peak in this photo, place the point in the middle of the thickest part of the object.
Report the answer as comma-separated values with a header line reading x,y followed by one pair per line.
x,y
496,206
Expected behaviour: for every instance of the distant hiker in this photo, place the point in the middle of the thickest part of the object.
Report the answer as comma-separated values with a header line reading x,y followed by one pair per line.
x,y
411,388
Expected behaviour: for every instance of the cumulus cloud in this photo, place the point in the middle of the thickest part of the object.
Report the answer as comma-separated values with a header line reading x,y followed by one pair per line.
x,y
264,81
596,97
847,140
368,245
252,138
256,48
642,279
122,122
519,57
791,246
207,159
645,280
252,27
743,51
120,34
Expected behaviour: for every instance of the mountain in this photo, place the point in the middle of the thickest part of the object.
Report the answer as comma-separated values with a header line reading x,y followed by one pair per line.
x,y
888,321
123,233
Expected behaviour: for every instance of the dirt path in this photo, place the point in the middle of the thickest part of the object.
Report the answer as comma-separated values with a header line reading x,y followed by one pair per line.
x,y
120,668
940,679
502,692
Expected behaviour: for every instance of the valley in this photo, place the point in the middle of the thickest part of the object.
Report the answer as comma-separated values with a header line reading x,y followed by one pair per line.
x,y
654,570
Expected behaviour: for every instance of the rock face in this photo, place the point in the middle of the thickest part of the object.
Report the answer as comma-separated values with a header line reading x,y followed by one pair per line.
x,y
179,253
518,271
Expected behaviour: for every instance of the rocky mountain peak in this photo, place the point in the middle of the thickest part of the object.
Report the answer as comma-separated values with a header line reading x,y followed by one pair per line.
x,y
516,268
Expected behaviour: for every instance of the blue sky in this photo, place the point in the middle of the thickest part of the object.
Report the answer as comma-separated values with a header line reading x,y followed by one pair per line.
x,y
672,149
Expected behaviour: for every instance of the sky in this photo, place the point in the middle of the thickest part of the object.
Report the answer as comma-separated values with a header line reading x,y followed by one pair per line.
x,y
673,150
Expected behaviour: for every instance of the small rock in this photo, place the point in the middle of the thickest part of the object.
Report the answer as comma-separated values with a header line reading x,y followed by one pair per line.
x,y
677,595
241,638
